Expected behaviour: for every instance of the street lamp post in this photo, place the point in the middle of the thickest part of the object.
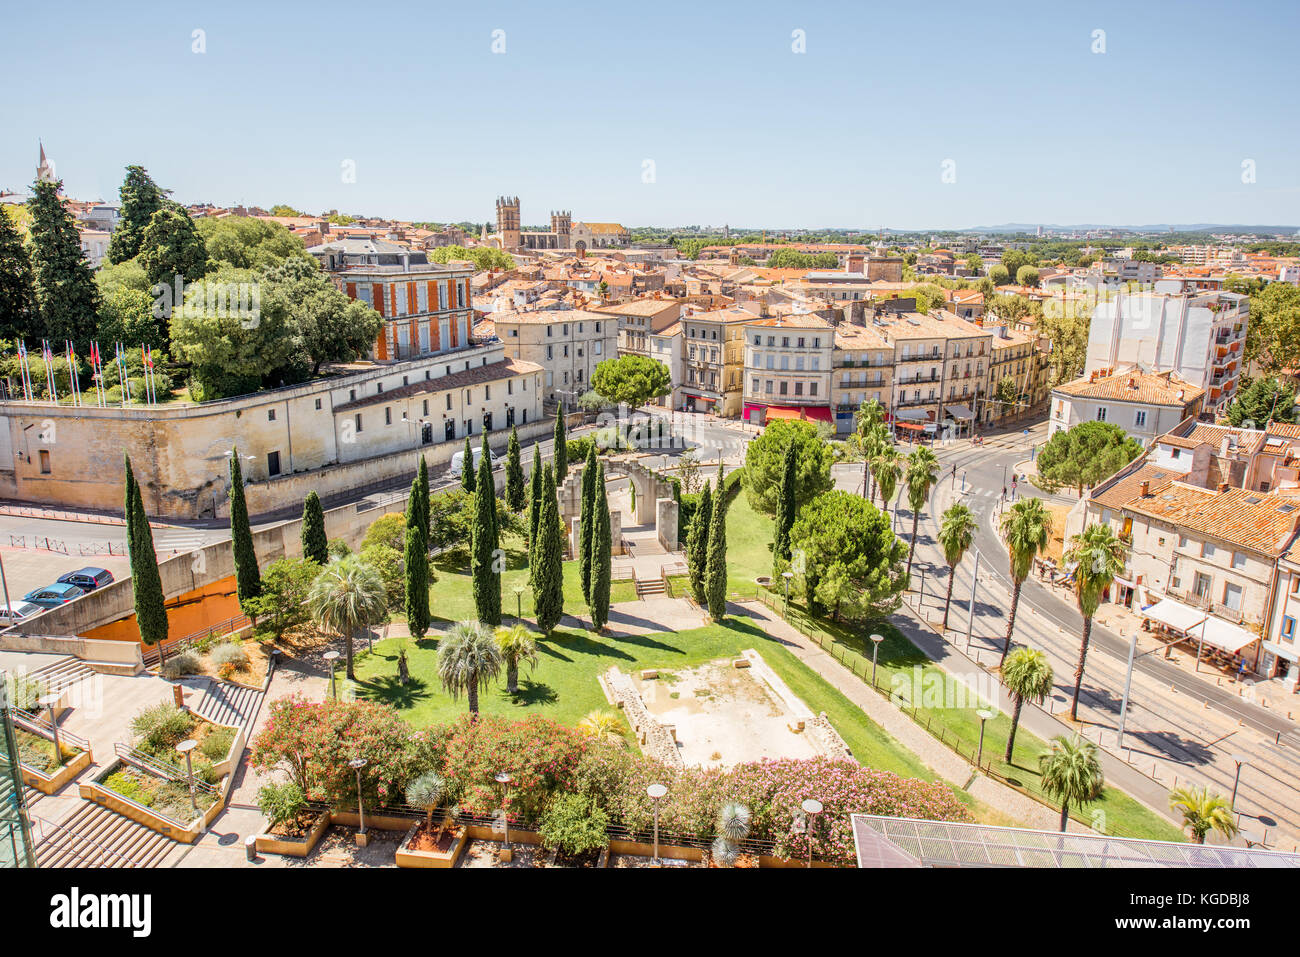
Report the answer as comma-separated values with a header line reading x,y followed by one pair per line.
x,y
656,792
356,764
49,701
811,807
1128,683
1239,760
970,609
503,779
984,714
519,601
787,575
185,747
875,650
331,657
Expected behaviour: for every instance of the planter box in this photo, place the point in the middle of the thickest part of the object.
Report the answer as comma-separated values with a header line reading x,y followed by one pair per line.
x,y
186,833
268,843
408,856
53,783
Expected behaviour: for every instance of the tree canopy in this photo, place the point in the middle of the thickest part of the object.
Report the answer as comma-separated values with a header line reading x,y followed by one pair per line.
x,y
1264,400
765,463
1086,454
632,379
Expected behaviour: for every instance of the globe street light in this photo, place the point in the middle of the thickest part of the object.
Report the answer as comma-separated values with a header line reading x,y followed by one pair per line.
x,y
1239,760
356,764
875,649
185,747
787,575
656,791
503,779
49,701
331,657
811,807
984,714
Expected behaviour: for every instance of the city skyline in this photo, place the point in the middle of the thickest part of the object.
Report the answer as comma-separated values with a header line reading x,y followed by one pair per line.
x,y
680,116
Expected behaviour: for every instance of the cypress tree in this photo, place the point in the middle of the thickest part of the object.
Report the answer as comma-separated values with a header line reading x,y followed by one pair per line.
x,y
141,198
515,497
67,298
467,468
548,582
315,545
534,505
146,583
17,293
697,544
248,580
422,480
484,546
585,521
416,559
715,574
785,509
561,448
602,552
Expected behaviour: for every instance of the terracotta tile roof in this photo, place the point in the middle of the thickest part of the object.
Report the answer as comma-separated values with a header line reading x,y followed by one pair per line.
x,y
1246,440
1253,520
793,321
1285,429
1127,488
1164,388
474,375
548,317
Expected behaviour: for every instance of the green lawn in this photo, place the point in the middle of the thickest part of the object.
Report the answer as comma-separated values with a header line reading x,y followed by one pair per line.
x,y
451,596
902,665
564,687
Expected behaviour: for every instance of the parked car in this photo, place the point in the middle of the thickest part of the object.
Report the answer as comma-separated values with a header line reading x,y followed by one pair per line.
x,y
52,596
88,578
458,459
19,611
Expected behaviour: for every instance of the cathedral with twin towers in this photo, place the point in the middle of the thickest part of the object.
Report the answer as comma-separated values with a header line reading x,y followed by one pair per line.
x,y
564,234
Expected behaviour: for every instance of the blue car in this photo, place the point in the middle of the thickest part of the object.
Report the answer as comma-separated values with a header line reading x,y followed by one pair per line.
x,y
52,596
87,579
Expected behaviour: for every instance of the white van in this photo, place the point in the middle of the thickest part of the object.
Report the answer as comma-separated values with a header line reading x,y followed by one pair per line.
x,y
457,460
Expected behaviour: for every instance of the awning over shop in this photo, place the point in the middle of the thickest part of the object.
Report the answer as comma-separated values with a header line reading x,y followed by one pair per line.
x,y
958,412
1222,634
1281,651
810,413
1175,615
699,398
913,415
914,426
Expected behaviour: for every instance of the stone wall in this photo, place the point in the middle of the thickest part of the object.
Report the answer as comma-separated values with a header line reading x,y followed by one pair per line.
x,y
655,740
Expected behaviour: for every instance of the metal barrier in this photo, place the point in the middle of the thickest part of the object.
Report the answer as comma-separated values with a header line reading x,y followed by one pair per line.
x,y
162,769
30,721
106,855
152,653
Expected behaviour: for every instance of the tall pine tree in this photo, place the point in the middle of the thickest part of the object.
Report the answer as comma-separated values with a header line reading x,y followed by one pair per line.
x,y
315,546
141,198
697,544
516,498
416,560
146,583
17,292
248,579
785,510
715,572
548,582
467,467
485,545
67,299
561,440
585,521
601,555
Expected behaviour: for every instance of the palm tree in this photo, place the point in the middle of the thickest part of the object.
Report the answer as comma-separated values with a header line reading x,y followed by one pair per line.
x,y
922,473
1071,773
468,659
347,594
1026,528
603,725
1203,812
887,467
956,535
1098,556
1027,675
870,436
516,645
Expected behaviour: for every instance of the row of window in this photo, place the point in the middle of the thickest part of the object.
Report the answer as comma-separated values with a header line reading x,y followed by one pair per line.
x,y
800,342
564,327
783,387
597,348
814,364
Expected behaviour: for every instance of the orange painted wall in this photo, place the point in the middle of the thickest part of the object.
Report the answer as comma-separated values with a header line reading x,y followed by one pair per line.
x,y
186,614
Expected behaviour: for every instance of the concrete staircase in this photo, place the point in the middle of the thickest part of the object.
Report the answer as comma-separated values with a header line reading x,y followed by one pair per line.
x,y
94,836
649,587
62,674
227,703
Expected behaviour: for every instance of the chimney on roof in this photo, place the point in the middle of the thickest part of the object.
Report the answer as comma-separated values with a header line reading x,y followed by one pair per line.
x,y
1132,382
1144,489
1224,486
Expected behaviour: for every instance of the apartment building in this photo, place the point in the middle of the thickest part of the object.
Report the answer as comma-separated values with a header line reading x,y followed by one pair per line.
x,y
1017,358
862,371
788,363
638,319
567,344
666,347
1199,335
1143,404
425,306
941,371
714,360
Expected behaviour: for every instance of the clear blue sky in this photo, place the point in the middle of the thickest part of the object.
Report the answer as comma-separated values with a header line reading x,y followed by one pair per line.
x,y
741,130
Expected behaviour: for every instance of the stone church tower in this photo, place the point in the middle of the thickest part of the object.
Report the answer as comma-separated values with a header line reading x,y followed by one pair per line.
x,y
508,221
45,171
562,226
